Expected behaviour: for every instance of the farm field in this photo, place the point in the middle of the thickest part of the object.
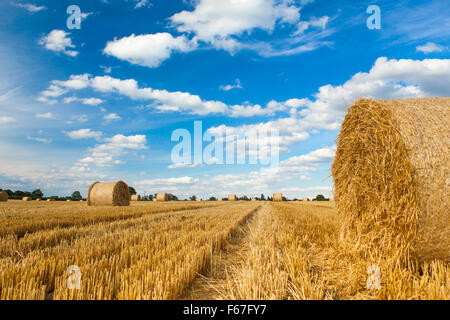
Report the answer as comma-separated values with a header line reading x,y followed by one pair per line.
x,y
196,250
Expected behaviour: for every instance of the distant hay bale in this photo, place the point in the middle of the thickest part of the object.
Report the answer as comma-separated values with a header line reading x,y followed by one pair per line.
x,y
232,197
254,199
50,200
135,197
162,197
38,200
220,199
109,194
391,175
199,199
154,200
26,198
3,196
305,199
68,200
277,197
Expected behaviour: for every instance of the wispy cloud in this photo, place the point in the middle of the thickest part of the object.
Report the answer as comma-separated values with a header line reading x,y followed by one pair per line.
x,y
237,85
29,7
430,47
7,120
47,115
41,140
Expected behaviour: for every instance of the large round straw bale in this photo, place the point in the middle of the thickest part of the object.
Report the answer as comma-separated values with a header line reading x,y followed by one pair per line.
x,y
162,197
135,197
305,199
26,198
232,197
277,197
391,175
109,194
3,196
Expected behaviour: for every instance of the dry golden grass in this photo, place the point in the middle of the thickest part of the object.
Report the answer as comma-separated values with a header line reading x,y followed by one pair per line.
x,y
294,252
156,250
149,255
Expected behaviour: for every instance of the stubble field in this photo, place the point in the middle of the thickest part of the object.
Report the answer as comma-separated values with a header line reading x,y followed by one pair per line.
x,y
196,250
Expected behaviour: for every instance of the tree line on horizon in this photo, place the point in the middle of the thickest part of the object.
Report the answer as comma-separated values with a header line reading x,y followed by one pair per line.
x,y
76,195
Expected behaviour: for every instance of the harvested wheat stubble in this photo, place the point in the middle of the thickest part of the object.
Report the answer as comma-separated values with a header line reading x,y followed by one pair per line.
x,y
232,197
391,176
26,198
3,196
277,197
135,197
109,194
162,197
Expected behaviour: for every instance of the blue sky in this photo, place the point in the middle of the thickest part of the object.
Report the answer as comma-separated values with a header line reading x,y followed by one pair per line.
x,y
101,102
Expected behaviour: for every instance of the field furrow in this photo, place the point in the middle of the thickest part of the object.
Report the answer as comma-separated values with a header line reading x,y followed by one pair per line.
x,y
151,258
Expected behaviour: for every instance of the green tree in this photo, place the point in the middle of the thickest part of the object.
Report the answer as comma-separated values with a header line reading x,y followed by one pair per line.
x,y
193,198
320,197
37,194
76,195
212,199
132,190
262,197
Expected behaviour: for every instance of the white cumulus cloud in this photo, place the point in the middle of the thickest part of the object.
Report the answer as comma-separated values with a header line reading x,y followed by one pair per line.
x,y
148,50
58,41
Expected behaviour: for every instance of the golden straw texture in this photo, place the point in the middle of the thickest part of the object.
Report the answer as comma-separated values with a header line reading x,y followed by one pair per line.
x,y
162,197
277,197
135,197
109,194
391,175
3,196
232,197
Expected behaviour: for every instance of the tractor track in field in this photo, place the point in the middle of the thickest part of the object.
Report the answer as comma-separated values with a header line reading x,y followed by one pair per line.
x,y
212,284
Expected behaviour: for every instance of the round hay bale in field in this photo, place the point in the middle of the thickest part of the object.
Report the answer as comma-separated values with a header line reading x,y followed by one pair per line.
x,y
220,199
305,199
50,200
162,197
232,197
254,199
109,194
277,197
38,200
135,197
3,196
26,199
391,176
